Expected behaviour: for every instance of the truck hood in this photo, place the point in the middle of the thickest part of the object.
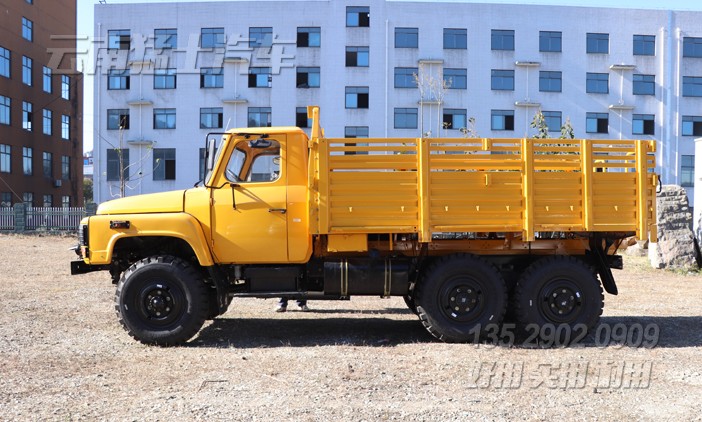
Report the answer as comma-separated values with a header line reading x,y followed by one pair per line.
x,y
144,204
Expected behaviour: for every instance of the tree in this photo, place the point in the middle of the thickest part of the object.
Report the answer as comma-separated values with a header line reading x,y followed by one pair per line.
x,y
539,123
470,131
123,170
432,89
87,190
567,131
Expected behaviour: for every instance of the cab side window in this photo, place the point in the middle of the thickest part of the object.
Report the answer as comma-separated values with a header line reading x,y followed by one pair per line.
x,y
254,161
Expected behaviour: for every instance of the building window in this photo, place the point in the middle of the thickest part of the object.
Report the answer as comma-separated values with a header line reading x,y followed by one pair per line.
x,y
309,37
687,171
4,62
644,45
165,38
597,123
502,39
405,77
357,57
643,124
550,41
27,115
260,37
454,118
27,70
553,120
502,80
692,86
118,79
597,43
307,77
65,167
692,125
164,79
47,161
65,87
597,83
211,118
644,84
692,47
65,127
260,77
5,199
550,81
114,156
301,119
502,120
46,121
356,97
406,118
212,37
211,77
48,201
455,39
118,39
118,118
5,107
406,37
28,199
27,165
27,29
164,163
46,79
456,78
5,158
259,117
164,118
358,16
65,201
356,132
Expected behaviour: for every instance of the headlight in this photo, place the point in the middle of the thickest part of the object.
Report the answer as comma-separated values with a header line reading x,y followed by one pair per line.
x,y
83,234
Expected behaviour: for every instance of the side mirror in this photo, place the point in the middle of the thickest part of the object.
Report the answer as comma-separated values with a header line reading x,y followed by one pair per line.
x,y
211,148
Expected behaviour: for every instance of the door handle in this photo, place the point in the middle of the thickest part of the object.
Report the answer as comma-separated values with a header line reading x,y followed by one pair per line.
x,y
280,210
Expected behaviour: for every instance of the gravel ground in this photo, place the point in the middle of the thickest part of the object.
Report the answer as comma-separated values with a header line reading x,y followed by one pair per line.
x,y
65,357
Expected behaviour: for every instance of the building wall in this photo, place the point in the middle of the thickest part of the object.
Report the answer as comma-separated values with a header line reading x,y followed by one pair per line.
x,y
236,17
57,17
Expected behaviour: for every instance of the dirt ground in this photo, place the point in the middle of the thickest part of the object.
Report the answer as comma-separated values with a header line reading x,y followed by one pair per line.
x,y
63,356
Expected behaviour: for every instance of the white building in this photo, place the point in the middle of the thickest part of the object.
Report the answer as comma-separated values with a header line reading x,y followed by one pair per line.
x,y
172,72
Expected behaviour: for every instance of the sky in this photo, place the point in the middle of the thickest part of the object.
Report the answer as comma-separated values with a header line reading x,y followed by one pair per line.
x,y
85,28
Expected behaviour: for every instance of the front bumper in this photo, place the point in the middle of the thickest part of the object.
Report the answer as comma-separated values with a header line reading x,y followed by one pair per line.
x,y
80,267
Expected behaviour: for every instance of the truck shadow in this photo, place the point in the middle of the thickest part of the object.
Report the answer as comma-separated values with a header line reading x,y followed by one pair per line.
x,y
377,331
257,332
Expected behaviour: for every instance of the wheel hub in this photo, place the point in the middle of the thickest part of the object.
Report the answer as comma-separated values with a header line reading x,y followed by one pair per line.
x,y
158,303
562,301
462,302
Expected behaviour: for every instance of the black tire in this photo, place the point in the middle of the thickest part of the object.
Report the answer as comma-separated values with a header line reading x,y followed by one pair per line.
x,y
558,290
161,300
411,303
453,282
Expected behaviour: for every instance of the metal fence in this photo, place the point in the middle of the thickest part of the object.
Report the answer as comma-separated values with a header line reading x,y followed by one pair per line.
x,y
22,218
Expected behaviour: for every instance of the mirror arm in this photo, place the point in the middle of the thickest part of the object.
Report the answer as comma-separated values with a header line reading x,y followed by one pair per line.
x,y
234,186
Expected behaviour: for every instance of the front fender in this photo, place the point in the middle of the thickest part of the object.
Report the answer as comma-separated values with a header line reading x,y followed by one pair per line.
x,y
102,238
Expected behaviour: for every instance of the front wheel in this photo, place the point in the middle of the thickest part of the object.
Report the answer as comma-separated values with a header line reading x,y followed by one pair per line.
x,y
161,300
461,298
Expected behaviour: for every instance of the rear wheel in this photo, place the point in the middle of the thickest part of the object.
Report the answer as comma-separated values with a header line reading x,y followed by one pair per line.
x,y
460,298
161,300
560,291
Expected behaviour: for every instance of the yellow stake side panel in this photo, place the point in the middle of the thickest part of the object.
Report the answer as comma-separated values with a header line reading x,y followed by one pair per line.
x,y
428,186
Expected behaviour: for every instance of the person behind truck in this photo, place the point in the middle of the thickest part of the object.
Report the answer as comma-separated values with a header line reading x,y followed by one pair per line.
x,y
283,305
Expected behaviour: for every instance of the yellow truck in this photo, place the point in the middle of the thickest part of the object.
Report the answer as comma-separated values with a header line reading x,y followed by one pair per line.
x,y
465,229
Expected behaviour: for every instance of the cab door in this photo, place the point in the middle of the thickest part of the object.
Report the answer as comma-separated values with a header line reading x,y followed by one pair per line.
x,y
249,222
